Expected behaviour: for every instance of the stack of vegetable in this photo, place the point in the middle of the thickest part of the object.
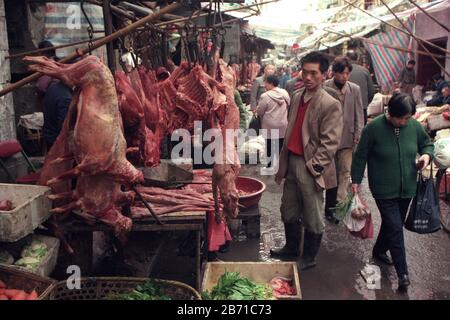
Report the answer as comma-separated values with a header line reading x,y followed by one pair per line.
x,y
150,290
232,286
32,255
15,294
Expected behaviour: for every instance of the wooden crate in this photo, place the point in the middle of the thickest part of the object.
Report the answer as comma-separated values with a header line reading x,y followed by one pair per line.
x,y
23,280
31,208
259,272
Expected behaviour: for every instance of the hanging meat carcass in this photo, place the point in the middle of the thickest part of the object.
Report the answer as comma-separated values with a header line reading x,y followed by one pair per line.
x,y
226,119
93,139
143,143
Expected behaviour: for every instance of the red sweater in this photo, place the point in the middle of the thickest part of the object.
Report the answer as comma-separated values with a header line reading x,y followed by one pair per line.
x,y
295,144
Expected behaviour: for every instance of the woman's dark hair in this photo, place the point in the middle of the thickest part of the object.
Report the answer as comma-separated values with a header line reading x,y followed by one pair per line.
x,y
401,104
340,63
273,80
317,57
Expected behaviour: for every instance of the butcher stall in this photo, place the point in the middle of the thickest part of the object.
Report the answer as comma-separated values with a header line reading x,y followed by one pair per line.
x,y
110,169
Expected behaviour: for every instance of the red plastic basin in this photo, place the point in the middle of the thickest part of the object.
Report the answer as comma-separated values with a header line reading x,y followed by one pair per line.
x,y
253,187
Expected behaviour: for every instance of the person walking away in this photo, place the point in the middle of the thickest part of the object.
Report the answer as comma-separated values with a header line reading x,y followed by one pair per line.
x,y
361,76
407,77
349,95
273,109
389,146
258,87
56,103
307,161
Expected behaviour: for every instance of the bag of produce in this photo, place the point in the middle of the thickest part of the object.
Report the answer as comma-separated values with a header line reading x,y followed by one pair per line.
x,y
355,219
367,231
442,153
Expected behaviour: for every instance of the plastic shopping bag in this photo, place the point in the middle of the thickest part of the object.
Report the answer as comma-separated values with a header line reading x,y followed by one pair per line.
x,y
355,218
424,214
367,231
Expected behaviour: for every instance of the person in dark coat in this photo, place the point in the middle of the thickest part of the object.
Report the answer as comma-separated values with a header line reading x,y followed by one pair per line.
x,y
361,76
56,103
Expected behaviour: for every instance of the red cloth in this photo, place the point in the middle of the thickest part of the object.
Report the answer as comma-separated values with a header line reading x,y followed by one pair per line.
x,y
218,234
9,148
295,144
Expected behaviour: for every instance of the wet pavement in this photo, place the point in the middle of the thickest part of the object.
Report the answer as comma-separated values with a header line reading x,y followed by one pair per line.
x,y
342,256
340,260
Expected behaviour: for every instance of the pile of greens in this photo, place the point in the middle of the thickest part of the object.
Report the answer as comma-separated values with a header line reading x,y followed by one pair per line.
x,y
32,255
343,206
232,286
150,290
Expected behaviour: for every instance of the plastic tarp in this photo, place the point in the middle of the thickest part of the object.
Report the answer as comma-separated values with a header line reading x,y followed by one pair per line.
x,y
65,23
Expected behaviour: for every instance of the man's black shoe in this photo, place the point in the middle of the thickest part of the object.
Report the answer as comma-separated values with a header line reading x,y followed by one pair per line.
x,y
284,252
384,258
403,283
330,217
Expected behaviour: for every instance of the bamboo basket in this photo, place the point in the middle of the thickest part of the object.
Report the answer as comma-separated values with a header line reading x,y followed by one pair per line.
x,y
101,287
24,280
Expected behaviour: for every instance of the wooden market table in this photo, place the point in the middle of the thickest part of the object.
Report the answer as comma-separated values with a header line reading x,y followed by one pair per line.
x,y
81,236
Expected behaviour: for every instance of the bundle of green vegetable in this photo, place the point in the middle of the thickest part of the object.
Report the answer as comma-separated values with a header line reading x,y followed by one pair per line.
x,y
343,206
232,286
150,290
32,255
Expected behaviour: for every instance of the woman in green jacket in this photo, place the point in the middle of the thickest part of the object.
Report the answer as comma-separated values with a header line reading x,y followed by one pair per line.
x,y
389,146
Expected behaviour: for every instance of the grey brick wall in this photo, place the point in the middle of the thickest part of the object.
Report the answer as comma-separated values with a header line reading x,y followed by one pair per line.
x,y
7,119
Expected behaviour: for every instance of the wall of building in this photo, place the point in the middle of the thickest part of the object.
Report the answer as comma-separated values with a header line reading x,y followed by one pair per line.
x,y
428,29
7,120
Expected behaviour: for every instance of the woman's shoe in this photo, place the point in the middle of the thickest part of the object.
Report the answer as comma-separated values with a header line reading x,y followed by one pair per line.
x,y
384,258
403,283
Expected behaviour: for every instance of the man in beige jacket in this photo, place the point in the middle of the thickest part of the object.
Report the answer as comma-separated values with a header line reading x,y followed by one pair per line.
x,y
307,161
353,118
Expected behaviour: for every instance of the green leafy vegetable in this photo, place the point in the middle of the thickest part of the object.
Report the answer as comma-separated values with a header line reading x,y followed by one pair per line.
x,y
36,249
29,263
232,286
150,290
343,206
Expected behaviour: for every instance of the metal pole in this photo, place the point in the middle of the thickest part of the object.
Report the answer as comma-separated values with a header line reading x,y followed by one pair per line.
x,y
397,28
119,33
430,16
416,38
383,44
108,31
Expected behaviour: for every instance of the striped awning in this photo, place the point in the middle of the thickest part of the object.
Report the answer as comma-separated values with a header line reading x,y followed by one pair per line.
x,y
387,62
